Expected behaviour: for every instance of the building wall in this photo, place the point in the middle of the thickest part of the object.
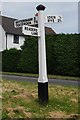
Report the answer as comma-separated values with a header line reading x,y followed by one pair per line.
x,y
2,39
10,39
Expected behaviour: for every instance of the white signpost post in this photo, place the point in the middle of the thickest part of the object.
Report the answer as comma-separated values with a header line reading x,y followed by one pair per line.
x,y
42,80
27,29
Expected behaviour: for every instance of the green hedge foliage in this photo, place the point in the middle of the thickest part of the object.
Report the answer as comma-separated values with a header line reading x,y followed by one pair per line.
x,y
62,51
29,57
10,60
62,54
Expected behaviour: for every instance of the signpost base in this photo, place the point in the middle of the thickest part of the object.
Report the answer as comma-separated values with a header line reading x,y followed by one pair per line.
x,y
43,92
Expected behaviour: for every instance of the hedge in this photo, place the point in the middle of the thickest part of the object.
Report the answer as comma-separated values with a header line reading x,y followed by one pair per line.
x,y
29,57
10,60
62,50
65,54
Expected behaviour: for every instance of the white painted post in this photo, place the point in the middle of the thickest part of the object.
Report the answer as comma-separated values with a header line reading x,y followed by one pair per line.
x,y
42,80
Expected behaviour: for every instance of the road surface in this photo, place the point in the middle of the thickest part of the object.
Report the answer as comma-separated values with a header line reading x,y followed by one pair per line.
x,y
35,79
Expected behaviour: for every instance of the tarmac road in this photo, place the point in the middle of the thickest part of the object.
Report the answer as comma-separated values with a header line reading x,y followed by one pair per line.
x,y
35,79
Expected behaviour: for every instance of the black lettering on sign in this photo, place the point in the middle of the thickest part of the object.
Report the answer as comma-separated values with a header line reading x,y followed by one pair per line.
x,y
26,28
24,22
59,19
51,18
30,29
35,20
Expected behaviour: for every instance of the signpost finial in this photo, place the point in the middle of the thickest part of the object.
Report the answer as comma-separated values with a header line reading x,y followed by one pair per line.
x,y
40,7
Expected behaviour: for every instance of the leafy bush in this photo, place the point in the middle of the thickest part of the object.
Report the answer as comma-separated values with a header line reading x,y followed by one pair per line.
x,y
29,57
63,55
66,52
51,57
10,60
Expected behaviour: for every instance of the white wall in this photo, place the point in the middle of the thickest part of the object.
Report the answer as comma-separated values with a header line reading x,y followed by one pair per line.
x,y
2,39
10,39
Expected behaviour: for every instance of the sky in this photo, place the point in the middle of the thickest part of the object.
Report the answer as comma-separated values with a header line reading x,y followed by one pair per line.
x,y
24,10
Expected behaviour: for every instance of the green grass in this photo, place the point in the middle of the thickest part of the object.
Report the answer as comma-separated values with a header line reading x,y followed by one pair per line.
x,y
20,100
49,76
0,99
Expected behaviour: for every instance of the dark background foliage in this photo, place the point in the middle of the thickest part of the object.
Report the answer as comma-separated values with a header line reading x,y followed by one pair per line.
x,y
10,60
63,58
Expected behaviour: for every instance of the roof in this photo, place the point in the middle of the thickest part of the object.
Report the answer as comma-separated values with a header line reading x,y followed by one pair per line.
x,y
49,31
8,26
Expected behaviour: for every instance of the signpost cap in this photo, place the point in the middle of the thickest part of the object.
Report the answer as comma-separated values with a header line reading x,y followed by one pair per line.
x,y
40,7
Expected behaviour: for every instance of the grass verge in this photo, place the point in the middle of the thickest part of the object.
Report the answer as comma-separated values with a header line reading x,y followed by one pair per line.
x,y
0,100
20,100
36,75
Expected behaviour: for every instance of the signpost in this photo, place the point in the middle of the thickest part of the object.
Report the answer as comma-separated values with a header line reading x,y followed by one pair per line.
x,y
29,21
42,80
34,20
27,29
53,18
